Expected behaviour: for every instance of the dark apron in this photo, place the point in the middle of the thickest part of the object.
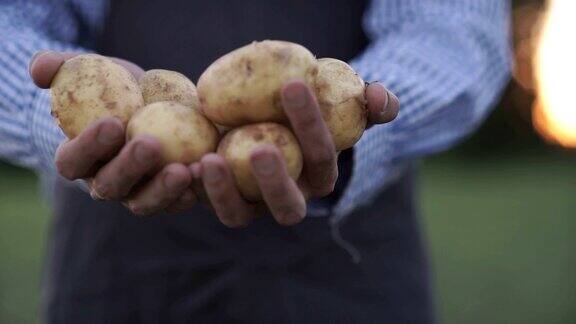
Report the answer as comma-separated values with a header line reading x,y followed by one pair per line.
x,y
108,266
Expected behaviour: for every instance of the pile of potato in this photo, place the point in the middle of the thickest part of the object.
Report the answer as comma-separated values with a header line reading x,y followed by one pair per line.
x,y
235,108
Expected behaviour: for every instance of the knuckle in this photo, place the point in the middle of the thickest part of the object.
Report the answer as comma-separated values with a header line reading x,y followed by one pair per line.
x,y
306,121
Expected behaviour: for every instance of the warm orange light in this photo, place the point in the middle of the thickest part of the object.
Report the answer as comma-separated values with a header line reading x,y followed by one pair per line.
x,y
554,113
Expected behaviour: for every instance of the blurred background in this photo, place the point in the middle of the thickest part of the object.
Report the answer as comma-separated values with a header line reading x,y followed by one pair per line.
x,y
499,210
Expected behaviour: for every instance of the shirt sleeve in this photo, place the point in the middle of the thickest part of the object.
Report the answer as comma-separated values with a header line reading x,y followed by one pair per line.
x,y
448,61
28,134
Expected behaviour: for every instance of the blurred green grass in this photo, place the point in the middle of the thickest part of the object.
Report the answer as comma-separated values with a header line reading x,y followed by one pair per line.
x,y
23,224
501,232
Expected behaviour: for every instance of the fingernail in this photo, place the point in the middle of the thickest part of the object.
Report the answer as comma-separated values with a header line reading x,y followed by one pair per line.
x,y
35,56
296,97
108,135
393,100
264,164
95,195
143,153
392,103
99,192
172,181
384,93
212,173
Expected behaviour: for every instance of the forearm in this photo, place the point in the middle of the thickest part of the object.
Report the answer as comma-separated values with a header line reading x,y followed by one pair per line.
x,y
28,134
446,66
447,63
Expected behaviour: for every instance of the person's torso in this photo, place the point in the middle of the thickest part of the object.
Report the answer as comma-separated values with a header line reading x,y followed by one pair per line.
x,y
100,253
187,36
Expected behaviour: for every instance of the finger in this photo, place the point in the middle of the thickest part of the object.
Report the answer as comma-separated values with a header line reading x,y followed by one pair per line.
x,y
77,158
164,189
317,146
220,186
138,158
44,65
383,105
197,185
185,202
280,192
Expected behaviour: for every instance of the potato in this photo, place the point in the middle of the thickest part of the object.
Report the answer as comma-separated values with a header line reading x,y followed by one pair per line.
x,y
164,85
238,144
185,134
89,87
243,86
340,94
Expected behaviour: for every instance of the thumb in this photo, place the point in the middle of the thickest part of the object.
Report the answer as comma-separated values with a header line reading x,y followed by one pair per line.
x,y
383,105
44,65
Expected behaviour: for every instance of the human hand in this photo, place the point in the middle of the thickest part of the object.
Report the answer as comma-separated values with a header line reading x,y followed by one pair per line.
x,y
285,198
115,170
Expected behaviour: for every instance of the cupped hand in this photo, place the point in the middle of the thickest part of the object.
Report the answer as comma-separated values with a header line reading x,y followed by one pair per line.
x,y
285,198
115,170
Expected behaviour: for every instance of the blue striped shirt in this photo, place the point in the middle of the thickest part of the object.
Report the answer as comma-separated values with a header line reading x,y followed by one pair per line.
x,y
447,60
